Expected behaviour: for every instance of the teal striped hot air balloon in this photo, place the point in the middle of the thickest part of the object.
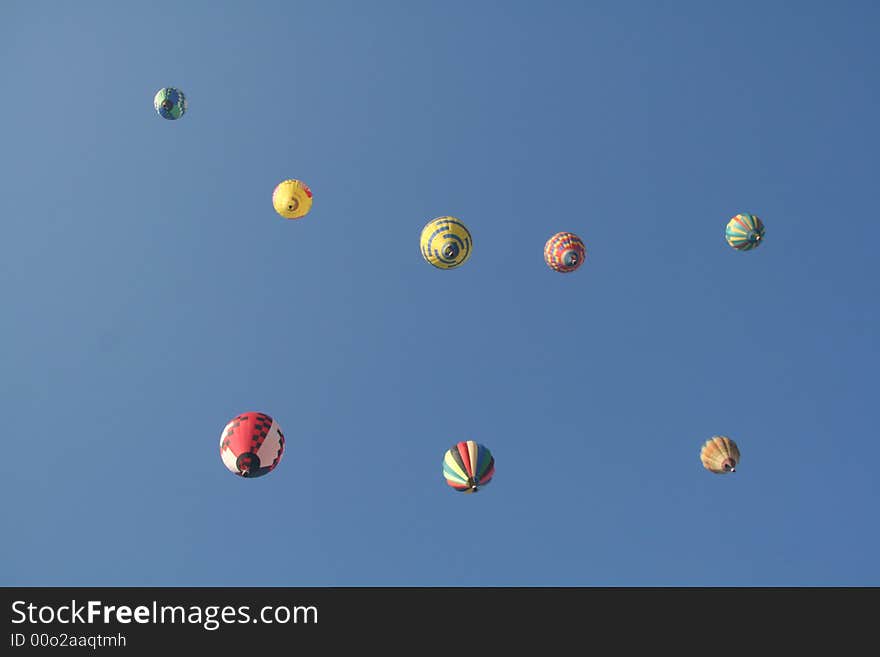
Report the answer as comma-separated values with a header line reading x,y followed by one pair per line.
x,y
467,466
744,232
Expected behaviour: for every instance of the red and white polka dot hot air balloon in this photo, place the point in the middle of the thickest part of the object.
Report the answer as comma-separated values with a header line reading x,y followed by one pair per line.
x,y
251,445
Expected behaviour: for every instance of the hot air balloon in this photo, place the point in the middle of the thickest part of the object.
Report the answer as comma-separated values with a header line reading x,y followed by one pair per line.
x,y
719,455
744,232
170,103
564,252
467,466
251,445
446,242
292,199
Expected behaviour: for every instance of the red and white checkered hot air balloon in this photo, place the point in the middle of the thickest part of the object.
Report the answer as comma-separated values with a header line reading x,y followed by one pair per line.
x,y
565,252
251,445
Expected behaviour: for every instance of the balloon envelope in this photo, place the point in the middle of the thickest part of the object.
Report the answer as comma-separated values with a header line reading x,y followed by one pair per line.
x,y
744,232
292,199
170,103
467,466
446,243
251,444
564,252
720,455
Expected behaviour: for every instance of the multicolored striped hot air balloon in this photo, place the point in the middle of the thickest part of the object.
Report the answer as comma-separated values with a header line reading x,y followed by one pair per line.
x,y
292,199
744,232
719,455
467,466
564,252
446,243
169,103
251,445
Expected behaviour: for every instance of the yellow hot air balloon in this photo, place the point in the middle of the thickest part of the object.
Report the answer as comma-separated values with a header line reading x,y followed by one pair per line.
x,y
292,199
720,455
446,242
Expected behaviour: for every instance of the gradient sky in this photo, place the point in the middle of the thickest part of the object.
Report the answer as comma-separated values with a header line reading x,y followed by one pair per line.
x,y
151,293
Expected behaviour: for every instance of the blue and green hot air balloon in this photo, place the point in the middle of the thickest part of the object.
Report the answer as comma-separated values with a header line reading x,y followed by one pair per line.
x,y
170,103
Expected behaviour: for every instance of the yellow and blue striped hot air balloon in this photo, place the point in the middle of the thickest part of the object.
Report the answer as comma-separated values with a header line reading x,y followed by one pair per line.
x,y
744,232
467,466
446,242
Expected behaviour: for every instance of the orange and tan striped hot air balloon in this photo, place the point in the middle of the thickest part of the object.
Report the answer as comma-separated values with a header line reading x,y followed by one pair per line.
x,y
720,455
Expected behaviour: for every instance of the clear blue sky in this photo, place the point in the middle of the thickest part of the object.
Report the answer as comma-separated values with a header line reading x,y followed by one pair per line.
x,y
150,293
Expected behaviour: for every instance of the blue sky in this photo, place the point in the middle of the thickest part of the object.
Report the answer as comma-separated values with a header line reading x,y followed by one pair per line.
x,y
151,293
